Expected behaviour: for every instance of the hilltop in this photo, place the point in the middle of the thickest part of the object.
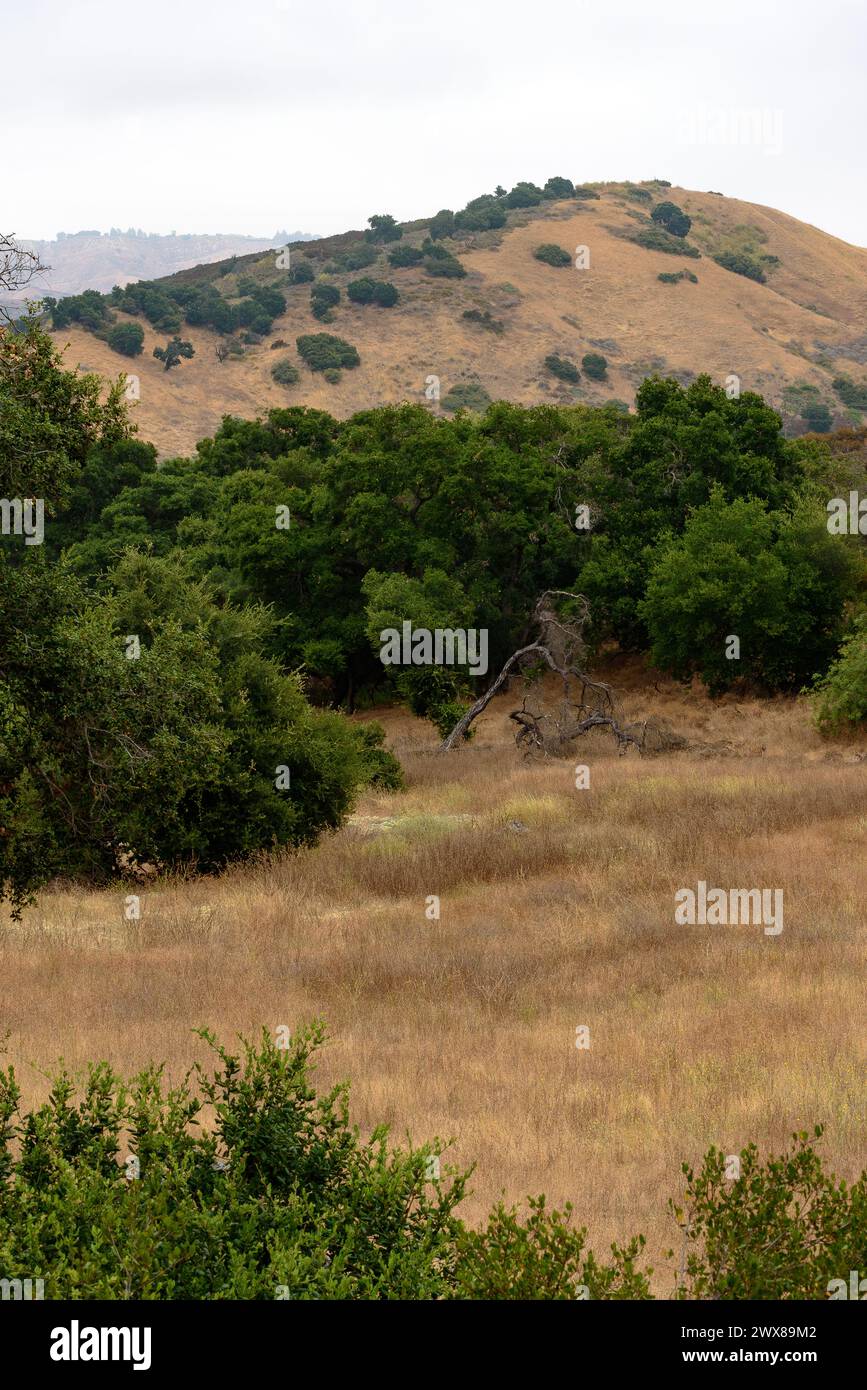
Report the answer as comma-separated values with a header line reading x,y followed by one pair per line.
x,y
791,334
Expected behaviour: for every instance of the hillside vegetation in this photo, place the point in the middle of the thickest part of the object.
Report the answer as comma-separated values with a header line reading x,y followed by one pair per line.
x,y
774,302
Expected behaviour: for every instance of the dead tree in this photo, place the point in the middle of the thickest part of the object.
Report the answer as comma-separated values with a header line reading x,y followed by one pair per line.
x,y
585,705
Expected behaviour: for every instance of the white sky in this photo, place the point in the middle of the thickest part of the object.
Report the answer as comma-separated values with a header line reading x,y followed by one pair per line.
x,y
209,116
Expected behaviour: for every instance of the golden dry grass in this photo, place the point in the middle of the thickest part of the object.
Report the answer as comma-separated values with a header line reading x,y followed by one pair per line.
x,y
465,1027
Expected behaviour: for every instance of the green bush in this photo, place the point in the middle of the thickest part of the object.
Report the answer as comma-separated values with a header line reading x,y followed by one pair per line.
x,y
586,193
405,255
782,1230
675,277
552,255
324,298
332,375
323,350
562,368
442,265
299,1206
657,239
741,264
841,695
595,365
850,393
818,416
126,338
483,319
467,395
383,228
672,218
89,309
358,257
301,273
285,372
369,291
442,225
480,215
524,195
559,188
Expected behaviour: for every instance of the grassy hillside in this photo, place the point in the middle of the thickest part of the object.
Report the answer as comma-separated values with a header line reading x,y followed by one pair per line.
x,y
788,338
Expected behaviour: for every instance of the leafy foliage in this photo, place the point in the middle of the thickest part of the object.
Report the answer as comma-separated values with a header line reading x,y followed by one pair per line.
x,y
741,264
562,368
552,254
672,218
126,338
323,350
841,694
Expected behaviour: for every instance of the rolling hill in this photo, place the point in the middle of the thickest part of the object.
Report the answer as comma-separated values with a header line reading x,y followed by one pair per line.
x,y
789,338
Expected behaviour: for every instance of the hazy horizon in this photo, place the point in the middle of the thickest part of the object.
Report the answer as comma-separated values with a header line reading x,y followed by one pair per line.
x,y
203,116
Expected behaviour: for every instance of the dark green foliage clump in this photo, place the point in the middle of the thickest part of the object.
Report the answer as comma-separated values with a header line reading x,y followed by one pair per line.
x,y
484,319
817,415
301,273
672,218
524,195
850,393
89,310
405,255
126,338
657,239
675,277
369,291
840,697
561,367
323,350
174,350
741,264
442,225
595,365
552,254
285,372
324,298
480,215
559,188
383,228
441,263
469,395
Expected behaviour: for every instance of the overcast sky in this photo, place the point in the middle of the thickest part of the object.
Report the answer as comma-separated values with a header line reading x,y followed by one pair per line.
x,y
209,116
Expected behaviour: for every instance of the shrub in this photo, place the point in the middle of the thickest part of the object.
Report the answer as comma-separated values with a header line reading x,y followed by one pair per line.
x,y
302,1208
672,218
324,298
483,319
586,193
562,368
368,291
89,309
466,395
247,285
559,188
841,695
271,300
741,264
126,338
552,255
481,215
323,350
657,239
405,255
850,393
301,273
674,277
285,373
524,195
595,365
358,257
383,228
332,375
817,415
783,1229
442,225
444,266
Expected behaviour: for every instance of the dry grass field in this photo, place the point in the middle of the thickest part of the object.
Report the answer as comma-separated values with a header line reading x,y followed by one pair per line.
x,y
804,326
557,910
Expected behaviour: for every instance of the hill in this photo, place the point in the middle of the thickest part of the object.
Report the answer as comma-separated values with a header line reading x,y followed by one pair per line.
x,y
92,260
789,334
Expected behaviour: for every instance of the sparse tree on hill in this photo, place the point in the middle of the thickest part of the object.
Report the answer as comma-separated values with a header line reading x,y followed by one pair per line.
x,y
173,351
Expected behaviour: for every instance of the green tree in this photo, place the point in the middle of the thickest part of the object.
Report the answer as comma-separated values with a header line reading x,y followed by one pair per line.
x,y
174,350
126,338
672,218
383,228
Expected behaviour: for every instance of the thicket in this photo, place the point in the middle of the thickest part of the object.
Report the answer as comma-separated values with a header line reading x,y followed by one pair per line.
x,y
741,264
552,254
119,1190
323,350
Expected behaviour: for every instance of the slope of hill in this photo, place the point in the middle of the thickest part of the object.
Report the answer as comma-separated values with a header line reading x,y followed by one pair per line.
x,y
789,338
97,261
